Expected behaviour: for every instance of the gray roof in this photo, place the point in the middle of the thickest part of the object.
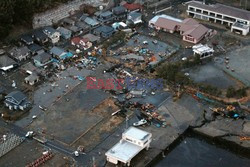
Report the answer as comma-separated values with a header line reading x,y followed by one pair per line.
x,y
39,34
32,78
80,16
134,15
82,25
49,30
57,51
63,30
27,38
21,51
6,61
43,57
105,14
119,10
74,29
92,37
17,95
68,21
223,9
104,29
34,47
91,21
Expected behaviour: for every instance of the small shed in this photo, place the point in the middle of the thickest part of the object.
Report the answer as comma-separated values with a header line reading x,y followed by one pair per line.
x,y
31,79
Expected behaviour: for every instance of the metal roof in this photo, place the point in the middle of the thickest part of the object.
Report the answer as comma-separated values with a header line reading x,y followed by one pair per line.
x,y
136,133
57,51
43,57
6,61
17,95
124,151
104,29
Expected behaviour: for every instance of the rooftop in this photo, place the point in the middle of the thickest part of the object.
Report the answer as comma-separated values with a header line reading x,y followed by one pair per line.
x,y
197,31
132,6
6,61
43,58
136,133
34,47
105,29
21,51
63,30
39,34
124,151
92,37
105,14
17,95
239,25
50,30
91,21
119,9
57,51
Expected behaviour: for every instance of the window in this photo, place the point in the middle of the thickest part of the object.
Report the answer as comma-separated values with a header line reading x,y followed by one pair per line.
x,y
129,139
191,8
198,10
205,12
219,16
212,14
230,19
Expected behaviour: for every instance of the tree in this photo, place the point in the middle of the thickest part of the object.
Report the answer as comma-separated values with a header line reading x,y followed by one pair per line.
x,y
230,92
168,72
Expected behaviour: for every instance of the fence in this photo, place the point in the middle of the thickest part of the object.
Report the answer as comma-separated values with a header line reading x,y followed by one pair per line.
x,y
10,143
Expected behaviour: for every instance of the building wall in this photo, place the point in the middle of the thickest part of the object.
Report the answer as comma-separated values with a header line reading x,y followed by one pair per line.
x,y
244,31
218,17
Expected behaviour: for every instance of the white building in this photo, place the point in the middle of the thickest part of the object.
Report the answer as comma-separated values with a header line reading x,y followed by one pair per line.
x,y
237,19
133,141
53,35
203,51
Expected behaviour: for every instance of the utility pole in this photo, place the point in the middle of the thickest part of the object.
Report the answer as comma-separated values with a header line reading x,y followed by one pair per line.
x,y
246,5
126,122
93,159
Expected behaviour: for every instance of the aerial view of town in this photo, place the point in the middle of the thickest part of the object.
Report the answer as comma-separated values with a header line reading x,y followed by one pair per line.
x,y
118,83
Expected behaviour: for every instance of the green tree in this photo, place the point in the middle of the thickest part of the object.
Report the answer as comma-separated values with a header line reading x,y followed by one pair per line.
x,y
230,91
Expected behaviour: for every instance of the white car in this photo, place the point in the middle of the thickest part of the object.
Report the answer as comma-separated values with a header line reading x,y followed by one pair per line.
x,y
29,134
184,59
76,153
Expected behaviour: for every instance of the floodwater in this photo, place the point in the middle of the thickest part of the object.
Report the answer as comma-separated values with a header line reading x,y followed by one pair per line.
x,y
194,152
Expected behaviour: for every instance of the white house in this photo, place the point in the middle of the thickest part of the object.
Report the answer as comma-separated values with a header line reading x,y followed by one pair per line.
x,y
53,35
133,141
203,51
